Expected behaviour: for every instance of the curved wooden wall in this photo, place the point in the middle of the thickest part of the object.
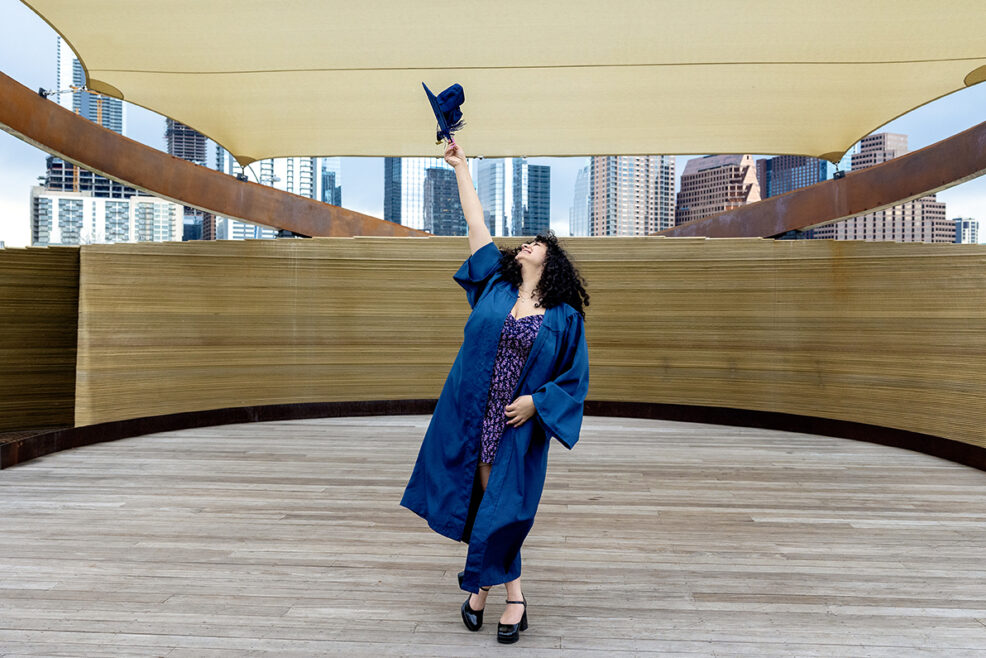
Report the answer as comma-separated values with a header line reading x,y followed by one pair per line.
x,y
879,333
39,308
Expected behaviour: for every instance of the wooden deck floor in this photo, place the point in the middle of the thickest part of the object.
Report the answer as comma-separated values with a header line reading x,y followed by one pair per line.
x,y
653,538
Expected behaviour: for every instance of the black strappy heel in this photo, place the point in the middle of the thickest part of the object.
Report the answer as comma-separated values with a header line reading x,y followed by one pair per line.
x,y
473,619
510,633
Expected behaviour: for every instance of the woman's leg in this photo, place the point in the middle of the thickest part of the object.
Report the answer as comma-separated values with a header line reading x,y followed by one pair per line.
x,y
513,612
484,473
478,601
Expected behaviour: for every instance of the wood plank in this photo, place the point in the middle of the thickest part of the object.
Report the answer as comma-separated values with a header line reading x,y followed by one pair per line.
x,y
39,310
653,537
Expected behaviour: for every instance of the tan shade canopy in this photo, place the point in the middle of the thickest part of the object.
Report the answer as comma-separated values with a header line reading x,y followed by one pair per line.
x,y
543,78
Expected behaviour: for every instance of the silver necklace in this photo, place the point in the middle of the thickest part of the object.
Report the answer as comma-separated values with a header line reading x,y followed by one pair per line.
x,y
530,297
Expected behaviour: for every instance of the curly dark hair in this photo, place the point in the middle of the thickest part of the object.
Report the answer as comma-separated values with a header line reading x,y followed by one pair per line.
x,y
560,281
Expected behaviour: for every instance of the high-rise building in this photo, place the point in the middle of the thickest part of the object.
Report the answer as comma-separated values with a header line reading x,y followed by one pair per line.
x,y
443,211
515,195
496,196
295,175
393,185
578,214
62,176
786,173
631,194
966,230
192,229
919,220
155,220
187,144
536,217
714,184
404,188
75,218
877,149
331,187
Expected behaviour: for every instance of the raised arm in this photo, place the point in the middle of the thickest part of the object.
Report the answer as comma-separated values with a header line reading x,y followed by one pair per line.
x,y
479,234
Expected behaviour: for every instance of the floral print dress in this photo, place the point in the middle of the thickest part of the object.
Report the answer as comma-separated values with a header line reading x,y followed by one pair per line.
x,y
516,340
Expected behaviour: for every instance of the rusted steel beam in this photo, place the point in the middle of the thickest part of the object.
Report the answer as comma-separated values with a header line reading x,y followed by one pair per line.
x,y
937,167
52,128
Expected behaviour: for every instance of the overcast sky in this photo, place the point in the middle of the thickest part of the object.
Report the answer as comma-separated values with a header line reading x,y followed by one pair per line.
x,y
27,54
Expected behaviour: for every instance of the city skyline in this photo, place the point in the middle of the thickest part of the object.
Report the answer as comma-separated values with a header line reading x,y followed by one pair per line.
x,y
27,53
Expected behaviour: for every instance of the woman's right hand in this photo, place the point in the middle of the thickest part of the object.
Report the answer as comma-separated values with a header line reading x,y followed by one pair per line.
x,y
454,155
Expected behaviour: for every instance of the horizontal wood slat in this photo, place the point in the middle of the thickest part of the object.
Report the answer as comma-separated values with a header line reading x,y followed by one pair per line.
x,y
881,333
39,309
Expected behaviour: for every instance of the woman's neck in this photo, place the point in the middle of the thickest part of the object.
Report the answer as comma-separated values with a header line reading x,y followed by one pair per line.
x,y
529,278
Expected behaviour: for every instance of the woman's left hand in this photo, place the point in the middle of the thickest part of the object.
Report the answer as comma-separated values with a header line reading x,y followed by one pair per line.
x,y
520,410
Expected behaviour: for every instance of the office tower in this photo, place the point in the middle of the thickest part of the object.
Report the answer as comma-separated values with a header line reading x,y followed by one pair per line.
x,y
966,230
631,194
76,218
192,229
536,217
296,175
495,195
877,149
392,186
442,209
578,214
785,173
714,184
187,144
919,220
515,195
404,188
331,183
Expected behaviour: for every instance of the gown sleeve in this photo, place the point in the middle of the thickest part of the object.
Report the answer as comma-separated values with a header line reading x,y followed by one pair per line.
x,y
475,273
559,403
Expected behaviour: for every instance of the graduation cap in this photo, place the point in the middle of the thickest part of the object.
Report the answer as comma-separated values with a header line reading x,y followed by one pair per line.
x,y
446,108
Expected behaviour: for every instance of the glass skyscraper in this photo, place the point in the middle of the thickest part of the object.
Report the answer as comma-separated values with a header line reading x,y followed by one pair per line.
x,y
443,211
578,217
516,196
331,188
404,200
786,173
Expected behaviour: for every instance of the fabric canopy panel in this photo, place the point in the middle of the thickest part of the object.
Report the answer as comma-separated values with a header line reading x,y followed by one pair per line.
x,y
547,78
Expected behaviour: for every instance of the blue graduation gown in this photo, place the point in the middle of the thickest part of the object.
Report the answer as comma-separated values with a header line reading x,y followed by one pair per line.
x,y
444,487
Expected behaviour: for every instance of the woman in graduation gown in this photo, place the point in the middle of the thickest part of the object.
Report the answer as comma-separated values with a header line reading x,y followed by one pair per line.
x,y
520,377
